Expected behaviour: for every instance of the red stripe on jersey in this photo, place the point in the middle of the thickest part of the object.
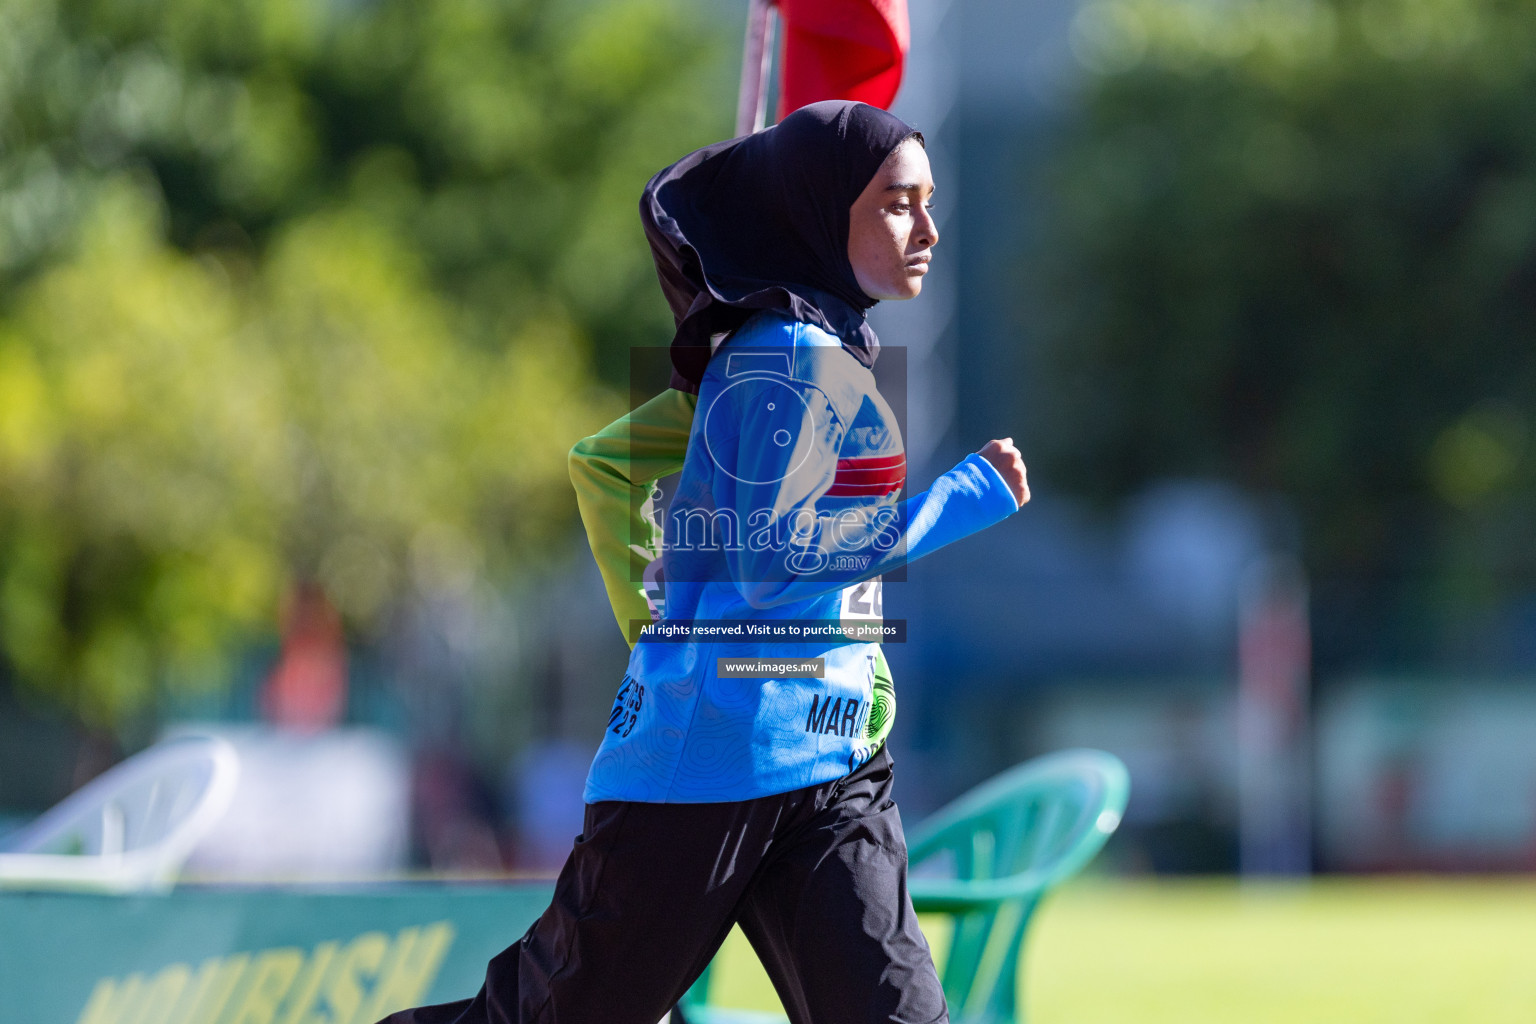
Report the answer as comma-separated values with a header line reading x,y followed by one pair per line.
x,y
869,476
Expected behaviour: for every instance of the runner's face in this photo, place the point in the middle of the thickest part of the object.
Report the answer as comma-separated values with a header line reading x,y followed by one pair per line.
x,y
890,230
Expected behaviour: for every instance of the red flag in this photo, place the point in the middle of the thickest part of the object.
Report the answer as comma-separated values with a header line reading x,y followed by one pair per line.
x,y
842,50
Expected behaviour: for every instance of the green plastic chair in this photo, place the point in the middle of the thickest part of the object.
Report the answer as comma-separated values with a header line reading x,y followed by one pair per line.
x,y
1008,842
1005,844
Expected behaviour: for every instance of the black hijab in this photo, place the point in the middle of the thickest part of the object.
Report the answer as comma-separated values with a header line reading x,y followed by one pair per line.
x,y
761,222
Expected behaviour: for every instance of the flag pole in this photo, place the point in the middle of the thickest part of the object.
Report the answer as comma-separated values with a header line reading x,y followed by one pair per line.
x,y
756,63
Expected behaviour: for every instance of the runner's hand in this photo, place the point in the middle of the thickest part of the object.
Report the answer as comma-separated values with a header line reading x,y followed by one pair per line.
x,y
1010,464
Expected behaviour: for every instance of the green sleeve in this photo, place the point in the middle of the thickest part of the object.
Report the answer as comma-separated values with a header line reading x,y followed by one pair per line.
x,y
614,472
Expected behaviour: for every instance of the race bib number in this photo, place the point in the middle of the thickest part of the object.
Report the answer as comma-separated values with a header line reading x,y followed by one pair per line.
x,y
862,604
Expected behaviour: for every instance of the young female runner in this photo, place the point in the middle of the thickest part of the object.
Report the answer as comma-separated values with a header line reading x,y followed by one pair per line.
x,y
761,798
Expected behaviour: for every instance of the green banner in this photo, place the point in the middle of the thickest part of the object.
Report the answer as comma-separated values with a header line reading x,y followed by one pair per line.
x,y
292,955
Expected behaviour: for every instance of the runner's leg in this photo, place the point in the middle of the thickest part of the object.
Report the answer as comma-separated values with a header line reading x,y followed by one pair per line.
x,y
830,917
645,899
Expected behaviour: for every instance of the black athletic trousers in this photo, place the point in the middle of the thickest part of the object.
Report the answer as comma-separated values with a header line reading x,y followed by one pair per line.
x,y
817,878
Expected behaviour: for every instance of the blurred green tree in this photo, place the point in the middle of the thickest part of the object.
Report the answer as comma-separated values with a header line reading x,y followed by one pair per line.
x,y
1294,245
308,292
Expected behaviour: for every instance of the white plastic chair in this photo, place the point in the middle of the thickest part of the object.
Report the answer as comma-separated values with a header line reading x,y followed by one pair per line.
x,y
131,828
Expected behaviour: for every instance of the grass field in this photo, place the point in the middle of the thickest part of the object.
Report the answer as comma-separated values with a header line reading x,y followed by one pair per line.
x,y
1404,951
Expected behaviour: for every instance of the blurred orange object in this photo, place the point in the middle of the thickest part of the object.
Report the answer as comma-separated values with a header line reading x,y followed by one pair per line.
x,y
307,689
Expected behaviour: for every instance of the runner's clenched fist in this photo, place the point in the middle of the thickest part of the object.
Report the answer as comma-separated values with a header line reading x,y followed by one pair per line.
x,y
1010,464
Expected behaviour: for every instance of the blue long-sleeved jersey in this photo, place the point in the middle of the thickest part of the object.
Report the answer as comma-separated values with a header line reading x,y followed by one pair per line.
x,y
786,510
